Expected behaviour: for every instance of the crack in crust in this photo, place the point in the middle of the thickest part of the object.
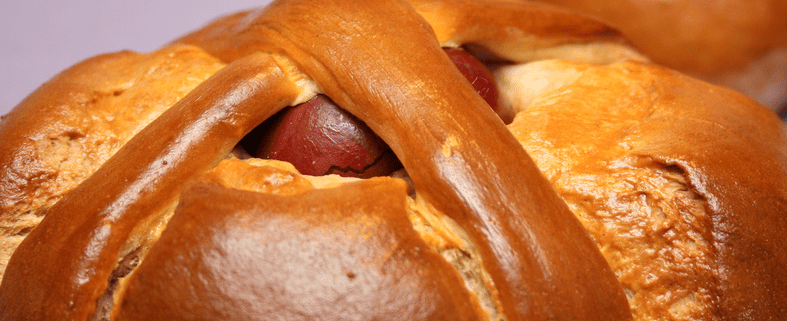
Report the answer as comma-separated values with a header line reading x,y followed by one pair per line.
x,y
623,152
529,242
653,229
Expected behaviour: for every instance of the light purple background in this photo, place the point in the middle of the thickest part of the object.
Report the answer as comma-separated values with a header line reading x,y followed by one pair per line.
x,y
40,38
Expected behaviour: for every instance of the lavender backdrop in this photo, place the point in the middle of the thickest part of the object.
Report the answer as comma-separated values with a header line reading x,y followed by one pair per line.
x,y
39,38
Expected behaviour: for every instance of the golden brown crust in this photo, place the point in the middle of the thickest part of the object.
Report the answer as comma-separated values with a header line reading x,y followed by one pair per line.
x,y
727,42
511,238
340,253
65,263
524,276
700,235
748,242
66,129
507,27
695,36
528,243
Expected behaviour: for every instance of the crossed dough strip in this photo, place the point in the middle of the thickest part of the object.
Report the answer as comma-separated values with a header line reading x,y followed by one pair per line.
x,y
516,219
76,254
443,115
741,44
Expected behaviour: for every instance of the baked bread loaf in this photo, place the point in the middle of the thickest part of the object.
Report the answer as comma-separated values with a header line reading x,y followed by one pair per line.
x,y
640,193
740,44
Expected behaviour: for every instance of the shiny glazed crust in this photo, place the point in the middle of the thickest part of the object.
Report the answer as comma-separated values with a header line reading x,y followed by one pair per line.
x,y
653,163
267,243
741,44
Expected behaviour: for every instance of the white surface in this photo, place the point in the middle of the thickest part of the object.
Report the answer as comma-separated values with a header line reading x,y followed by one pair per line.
x,y
40,38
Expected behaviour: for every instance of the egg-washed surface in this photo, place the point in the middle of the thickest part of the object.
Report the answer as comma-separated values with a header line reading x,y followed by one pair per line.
x,y
299,249
70,126
648,218
533,271
650,225
741,44
641,157
249,90
644,169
